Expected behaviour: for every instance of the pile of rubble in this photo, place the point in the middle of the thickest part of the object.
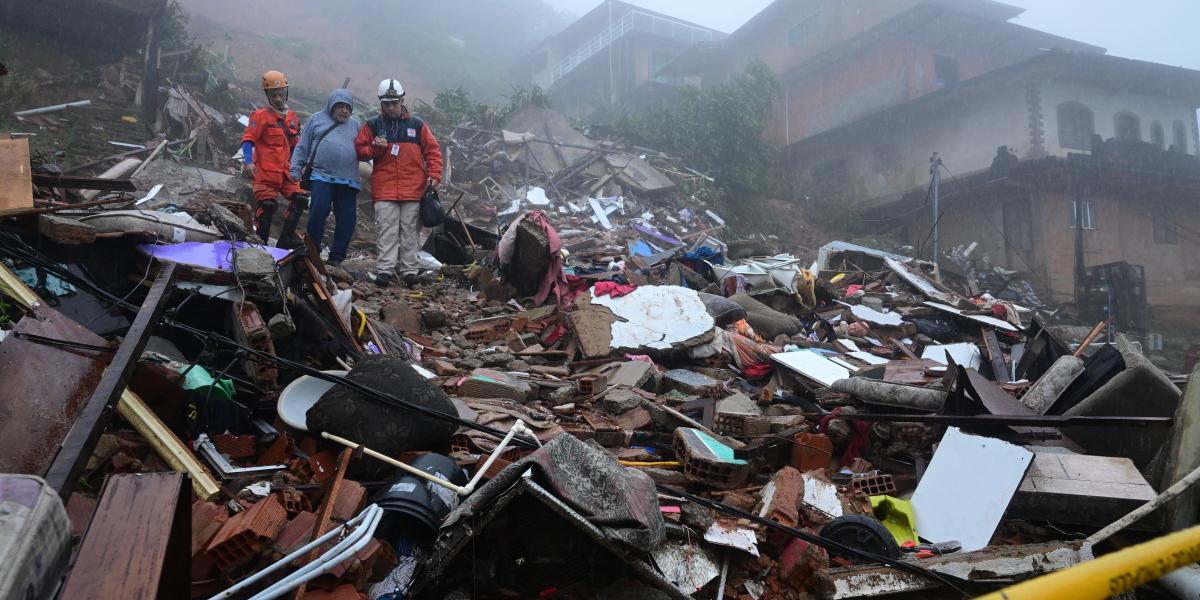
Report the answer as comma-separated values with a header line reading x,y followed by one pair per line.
x,y
676,414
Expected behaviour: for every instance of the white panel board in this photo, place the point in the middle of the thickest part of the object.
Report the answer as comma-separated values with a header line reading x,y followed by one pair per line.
x,y
813,366
965,354
967,488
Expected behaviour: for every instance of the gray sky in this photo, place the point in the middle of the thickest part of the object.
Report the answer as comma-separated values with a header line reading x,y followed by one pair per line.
x,y
1155,30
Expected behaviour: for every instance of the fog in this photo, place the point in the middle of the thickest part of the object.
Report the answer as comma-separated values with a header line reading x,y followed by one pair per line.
x,y
1154,30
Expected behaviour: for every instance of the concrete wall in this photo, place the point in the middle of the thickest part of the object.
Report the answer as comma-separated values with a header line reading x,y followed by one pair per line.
x,y
839,20
967,132
879,77
1105,105
1124,232
894,157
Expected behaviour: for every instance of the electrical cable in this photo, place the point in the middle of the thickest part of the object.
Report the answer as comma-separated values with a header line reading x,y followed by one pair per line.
x,y
396,402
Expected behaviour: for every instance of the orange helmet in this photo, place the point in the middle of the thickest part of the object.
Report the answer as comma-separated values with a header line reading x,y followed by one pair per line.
x,y
273,80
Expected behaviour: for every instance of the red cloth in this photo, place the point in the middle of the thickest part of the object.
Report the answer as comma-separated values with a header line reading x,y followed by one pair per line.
x,y
853,289
401,167
859,440
612,288
274,136
757,370
1000,311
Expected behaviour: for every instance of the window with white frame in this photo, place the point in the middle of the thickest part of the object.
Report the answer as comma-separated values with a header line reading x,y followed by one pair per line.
x,y
1088,216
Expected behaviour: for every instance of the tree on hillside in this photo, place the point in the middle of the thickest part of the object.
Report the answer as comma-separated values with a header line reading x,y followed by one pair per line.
x,y
719,130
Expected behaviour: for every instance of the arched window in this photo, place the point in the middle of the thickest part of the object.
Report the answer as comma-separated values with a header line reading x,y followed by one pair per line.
x,y
1157,136
1075,126
1180,136
1129,127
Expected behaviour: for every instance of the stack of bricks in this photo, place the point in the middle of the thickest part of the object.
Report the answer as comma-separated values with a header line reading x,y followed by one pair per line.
x,y
248,532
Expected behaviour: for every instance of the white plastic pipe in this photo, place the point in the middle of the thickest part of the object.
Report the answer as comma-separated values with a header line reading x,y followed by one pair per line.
x,y
327,561
294,555
49,109
1183,583
466,490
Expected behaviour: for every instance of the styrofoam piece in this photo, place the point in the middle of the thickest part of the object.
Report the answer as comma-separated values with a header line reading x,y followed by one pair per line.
x,y
537,196
813,366
849,345
965,354
874,317
822,495
967,488
656,316
986,320
299,396
742,539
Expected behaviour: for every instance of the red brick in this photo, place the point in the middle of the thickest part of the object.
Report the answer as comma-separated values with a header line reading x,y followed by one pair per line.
x,y
349,500
800,561
323,464
293,501
248,532
282,449
207,520
784,504
296,533
236,447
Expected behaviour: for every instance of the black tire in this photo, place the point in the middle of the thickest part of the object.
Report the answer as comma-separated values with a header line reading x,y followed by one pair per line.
x,y
862,533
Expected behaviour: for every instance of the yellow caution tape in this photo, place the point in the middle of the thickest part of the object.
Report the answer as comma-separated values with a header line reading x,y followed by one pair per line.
x,y
1111,574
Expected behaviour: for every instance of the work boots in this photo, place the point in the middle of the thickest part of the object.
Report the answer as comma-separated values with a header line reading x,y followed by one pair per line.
x,y
262,219
291,220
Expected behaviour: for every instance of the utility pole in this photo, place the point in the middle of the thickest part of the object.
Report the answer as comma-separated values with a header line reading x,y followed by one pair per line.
x,y
935,171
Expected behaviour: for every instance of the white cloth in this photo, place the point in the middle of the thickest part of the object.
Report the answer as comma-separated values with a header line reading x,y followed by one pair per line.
x,y
399,236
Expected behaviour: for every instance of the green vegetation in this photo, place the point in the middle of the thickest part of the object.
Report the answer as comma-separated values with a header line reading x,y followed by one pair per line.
x,y
454,106
719,131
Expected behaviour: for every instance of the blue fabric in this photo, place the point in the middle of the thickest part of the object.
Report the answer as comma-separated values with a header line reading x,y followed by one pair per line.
x,y
337,181
336,157
342,201
247,151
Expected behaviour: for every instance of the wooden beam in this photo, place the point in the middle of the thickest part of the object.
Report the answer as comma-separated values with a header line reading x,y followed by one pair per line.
x,y
79,442
992,345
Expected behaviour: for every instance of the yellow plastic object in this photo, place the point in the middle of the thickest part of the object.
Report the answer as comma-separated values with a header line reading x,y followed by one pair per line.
x,y
837,278
897,516
1111,574
129,119
807,287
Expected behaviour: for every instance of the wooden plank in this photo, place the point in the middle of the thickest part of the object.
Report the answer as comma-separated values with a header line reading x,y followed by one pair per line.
x,y
992,345
85,183
332,489
16,178
137,544
81,439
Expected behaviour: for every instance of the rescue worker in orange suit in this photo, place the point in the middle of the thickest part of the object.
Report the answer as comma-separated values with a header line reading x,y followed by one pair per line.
x,y
267,145
407,161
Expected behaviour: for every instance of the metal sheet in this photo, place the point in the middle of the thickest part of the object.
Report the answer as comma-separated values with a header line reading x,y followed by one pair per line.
x,y
36,411
990,321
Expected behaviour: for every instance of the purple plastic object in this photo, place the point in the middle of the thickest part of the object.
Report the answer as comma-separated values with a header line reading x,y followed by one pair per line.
x,y
654,233
210,255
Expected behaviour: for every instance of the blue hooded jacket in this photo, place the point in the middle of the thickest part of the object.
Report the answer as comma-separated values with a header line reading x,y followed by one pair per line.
x,y
336,160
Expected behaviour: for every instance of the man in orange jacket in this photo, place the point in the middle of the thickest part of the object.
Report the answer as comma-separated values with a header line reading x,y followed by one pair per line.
x,y
407,161
267,145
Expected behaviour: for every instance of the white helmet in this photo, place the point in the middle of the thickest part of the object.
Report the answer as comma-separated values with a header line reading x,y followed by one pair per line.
x,y
390,90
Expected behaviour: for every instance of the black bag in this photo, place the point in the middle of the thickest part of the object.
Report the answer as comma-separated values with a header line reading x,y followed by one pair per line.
x,y
432,211
307,169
